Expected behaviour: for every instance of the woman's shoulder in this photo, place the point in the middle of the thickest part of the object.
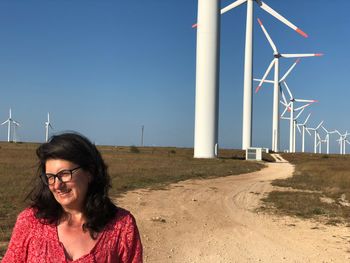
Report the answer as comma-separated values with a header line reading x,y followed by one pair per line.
x,y
122,219
27,216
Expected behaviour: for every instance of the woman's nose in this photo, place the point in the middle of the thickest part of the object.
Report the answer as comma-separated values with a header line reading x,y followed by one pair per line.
x,y
58,183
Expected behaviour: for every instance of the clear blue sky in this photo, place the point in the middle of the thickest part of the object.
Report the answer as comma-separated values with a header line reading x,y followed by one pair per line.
x,y
105,68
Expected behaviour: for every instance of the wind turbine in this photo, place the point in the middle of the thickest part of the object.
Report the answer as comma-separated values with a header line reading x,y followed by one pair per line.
x,y
303,125
342,139
275,63
319,143
9,122
345,141
15,125
47,126
327,137
316,132
248,61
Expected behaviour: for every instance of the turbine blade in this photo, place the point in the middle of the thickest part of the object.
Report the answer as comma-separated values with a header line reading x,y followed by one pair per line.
x,y
301,55
288,90
283,103
307,118
231,6
307,129
298,128
268,37
265,75
285,110
282,19
299,113
319,125
318,137
302,107
302,100
324,129
284,97
266,80
290,70
5,122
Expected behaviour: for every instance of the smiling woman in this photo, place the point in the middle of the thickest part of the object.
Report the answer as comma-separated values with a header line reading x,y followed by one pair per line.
x,y
71,218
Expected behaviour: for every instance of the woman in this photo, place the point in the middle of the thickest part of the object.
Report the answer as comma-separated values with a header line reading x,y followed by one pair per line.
x,y
71,218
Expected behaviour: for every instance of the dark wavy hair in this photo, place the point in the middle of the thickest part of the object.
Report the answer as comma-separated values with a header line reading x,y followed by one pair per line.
x,y
98,208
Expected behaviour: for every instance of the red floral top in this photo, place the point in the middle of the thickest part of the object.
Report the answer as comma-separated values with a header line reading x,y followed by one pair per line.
x,y
35,242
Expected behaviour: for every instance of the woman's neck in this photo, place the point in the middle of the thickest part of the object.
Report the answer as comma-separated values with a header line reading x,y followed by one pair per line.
x,y
73,218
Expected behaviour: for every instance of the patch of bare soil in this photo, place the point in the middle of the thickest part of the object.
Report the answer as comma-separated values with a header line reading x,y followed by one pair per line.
x,y
215,220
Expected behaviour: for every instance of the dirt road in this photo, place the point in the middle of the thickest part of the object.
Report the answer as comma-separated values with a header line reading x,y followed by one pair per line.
x,y
215,220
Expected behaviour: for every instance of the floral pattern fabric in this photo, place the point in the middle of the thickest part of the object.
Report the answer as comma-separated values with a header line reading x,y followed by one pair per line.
x,y
35,242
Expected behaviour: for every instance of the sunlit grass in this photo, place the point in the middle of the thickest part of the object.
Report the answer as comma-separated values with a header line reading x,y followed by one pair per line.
x,y
316,178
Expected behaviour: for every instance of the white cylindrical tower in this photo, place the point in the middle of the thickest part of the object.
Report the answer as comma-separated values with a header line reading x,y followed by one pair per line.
x,y
207,79
248,79
291,128
275,111
303,139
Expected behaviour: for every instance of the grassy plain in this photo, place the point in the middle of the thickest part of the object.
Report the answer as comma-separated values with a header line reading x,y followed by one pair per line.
x,y
129,168
319,188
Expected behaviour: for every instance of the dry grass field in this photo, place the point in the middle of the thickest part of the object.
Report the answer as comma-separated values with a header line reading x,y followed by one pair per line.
x,y
319,188
129,167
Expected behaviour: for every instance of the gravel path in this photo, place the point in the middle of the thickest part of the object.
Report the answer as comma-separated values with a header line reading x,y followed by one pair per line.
x,y
214,220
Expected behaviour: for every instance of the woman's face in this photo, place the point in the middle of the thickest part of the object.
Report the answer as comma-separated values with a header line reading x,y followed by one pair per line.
x,y
70,195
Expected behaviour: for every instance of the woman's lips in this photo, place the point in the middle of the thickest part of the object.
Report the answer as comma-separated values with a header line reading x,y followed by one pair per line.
x,y
63,193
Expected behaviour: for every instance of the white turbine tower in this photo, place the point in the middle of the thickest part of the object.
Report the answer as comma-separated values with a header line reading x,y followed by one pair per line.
x,y
345,141
275,63
15,125
316,133
207,79
319,143
326,140
47,126
248,62
303,125
9,122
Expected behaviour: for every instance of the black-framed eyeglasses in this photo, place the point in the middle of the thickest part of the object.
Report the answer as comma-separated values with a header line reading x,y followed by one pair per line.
x,y
64,176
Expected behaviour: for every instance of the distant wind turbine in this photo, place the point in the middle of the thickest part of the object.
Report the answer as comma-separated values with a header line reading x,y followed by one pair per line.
x,y
275,63
47,126
303,125
342,140
315,133
15,125
327,137
9,122
142,130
